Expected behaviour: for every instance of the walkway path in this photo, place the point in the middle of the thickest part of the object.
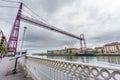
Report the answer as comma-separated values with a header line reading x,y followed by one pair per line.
x,y
6,68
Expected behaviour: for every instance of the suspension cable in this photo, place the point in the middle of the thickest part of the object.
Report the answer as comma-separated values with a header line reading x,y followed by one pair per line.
x,y
10,1
35,13
28,13
9,6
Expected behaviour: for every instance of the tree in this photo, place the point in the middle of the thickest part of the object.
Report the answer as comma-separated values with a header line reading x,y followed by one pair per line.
x,y
3,49
94,51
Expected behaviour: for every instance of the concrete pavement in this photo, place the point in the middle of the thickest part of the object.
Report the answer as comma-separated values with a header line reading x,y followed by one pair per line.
x,y
6,68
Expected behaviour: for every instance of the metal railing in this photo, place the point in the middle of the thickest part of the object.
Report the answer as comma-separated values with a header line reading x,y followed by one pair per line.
x,y
51,69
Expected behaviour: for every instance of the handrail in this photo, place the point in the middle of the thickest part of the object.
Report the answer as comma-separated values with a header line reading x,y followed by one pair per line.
x,y
52,69
79,63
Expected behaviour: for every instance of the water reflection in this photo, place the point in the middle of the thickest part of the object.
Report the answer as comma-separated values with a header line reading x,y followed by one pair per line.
x,y
102,60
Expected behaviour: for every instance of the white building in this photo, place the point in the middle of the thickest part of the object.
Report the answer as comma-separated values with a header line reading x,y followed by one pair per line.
x,y
112,47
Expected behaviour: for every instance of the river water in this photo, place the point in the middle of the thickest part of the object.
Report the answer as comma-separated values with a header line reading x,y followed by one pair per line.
x,y
100,60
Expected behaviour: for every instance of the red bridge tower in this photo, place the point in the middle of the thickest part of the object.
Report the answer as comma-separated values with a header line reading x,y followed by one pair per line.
x,y
13,39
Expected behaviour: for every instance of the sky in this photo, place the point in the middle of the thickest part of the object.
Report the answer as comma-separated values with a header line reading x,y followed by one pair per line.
x,y
98,20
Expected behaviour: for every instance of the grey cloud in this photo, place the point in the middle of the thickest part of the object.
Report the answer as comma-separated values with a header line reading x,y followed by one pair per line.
x,y
98,20
47,39
49,6
107,37
7,16
52,5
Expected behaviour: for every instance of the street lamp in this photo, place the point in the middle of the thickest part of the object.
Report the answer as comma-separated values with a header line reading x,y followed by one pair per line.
x,y
15,70
22,40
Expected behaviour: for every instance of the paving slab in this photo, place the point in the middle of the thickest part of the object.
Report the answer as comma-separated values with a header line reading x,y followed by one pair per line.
x,y
6,67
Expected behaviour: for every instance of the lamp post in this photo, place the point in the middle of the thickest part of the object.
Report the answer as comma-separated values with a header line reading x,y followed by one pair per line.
x,y
16,59
22,40
18,48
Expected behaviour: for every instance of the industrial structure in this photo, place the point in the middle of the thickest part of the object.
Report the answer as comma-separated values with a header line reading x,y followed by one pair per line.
x,y
13,39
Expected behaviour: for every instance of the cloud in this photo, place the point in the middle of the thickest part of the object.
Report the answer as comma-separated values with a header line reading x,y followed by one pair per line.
x,y
108,37
97,19
51,6
48,40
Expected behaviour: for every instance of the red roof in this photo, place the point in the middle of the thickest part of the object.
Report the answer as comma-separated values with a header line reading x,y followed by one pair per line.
x,y
99,47
112,44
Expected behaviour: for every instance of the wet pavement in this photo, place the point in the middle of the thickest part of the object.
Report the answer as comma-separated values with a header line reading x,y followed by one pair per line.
x,y
6,67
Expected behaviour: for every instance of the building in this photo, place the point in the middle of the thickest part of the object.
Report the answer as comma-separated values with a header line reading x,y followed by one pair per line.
x,y
64,51
88,50
100,49
49,52
72,51
54,51
112,47
3,43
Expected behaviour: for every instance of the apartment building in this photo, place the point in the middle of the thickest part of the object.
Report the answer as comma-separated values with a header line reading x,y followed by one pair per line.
x,y
100,49
64,51
72,51
112,47
69,51
3,43
55,51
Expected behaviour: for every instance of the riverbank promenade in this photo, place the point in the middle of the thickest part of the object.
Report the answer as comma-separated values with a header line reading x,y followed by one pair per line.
x,y
6,67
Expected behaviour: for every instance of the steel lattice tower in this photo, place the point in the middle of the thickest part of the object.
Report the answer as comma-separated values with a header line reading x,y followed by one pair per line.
x,y
83,43
13,39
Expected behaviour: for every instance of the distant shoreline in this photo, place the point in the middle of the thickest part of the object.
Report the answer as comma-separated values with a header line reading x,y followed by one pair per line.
x,y
77,54
97,55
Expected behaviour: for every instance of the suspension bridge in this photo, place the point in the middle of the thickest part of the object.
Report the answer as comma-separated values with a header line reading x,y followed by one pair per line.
x,y
51,69
13,39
